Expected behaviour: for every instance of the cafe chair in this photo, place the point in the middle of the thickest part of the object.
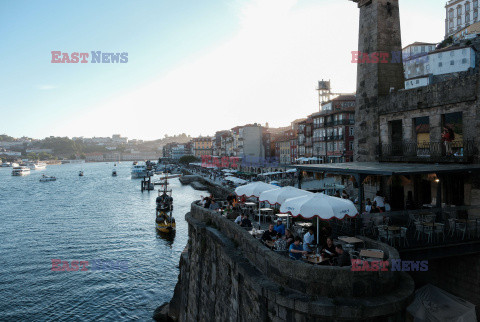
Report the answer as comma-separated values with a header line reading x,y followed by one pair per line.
x,y
403,235
461,227
440,230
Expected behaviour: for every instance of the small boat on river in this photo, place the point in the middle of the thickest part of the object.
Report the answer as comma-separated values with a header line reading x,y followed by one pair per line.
x,y
164,221
45,178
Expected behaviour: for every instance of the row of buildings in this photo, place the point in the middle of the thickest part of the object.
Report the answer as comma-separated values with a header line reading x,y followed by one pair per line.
x,y
324,136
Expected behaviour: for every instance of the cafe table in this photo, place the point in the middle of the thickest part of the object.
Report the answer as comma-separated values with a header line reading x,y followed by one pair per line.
x,y
350,240
256,233
315,259
394,228
270,243
371,253
265,212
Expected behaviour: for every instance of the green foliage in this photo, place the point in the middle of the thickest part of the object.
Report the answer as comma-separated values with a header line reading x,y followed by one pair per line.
x,y
32,156
186,159
446,42
6,138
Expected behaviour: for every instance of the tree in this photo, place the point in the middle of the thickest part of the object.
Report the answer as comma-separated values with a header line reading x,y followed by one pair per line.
x,y
186,159
32,156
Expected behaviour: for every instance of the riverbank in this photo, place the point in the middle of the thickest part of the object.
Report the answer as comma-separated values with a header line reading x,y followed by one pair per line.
x,y
200,182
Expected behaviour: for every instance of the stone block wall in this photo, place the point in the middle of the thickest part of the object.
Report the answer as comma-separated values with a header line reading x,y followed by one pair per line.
x,y
224,276
379,32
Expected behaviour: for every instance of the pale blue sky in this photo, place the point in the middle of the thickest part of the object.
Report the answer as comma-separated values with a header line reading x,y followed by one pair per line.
x,y
195,66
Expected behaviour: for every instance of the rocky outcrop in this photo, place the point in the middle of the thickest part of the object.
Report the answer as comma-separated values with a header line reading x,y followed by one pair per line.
x,y
227,275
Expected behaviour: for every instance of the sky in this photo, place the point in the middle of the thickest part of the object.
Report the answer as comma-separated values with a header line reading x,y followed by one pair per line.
x,y
193,67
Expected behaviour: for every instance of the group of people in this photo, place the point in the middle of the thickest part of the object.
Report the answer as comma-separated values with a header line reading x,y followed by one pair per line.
x,y
210,203
285,240
335,253
378,205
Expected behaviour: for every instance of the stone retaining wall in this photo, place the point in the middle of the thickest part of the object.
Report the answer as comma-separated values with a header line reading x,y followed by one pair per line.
x,y
227,275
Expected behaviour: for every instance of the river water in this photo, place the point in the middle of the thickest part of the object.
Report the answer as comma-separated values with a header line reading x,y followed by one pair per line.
x,y
85,219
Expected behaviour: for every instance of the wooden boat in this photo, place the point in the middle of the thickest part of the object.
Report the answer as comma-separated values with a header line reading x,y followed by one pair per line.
x,y
164,221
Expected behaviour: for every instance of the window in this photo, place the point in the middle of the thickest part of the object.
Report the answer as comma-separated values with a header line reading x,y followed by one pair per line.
x,y
351,145
467,6
440,64
467,18
459,21
459,11
417,81
423,49
464,61
352,130
440,55
452,53
452,63
450,13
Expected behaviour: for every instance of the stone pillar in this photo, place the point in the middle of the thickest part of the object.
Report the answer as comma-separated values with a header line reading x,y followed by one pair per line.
x,y
436,146
379,36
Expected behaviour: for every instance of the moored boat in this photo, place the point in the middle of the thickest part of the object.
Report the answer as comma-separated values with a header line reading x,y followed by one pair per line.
x,y
140,171
20,171
37,165
164,221
80,173
45,178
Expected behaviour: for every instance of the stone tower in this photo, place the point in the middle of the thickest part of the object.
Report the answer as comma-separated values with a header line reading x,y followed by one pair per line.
x,y
380,34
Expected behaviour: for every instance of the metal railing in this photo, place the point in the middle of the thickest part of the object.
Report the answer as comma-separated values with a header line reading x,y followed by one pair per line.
x,y
456,151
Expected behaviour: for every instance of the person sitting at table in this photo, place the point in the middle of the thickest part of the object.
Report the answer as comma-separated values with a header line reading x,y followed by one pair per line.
x,y
269,234
328,249
243,199
308,240
343,258
214,205
238,220
295,250
289,238
246,222
368,206
280,227
380,200
374,209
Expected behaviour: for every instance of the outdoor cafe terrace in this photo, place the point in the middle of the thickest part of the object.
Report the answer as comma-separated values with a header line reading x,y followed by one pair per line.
x,y
303,276
432,231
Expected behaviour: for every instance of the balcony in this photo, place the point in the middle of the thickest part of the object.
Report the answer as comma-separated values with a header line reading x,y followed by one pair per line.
x,y
338,137
429,152
329,123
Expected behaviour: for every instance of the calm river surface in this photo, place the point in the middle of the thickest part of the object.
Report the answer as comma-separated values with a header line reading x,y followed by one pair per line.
x,y
85,218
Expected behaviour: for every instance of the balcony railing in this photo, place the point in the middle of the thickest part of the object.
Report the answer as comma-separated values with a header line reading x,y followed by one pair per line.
x,y
409,151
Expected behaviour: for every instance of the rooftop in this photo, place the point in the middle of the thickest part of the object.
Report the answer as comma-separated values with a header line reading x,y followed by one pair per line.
x,y
388,169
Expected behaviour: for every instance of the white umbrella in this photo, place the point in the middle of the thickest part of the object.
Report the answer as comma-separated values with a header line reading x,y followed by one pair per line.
x,y
320,206
278,196
254,189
